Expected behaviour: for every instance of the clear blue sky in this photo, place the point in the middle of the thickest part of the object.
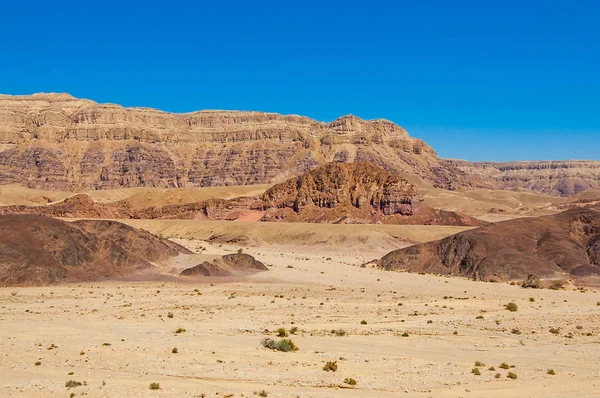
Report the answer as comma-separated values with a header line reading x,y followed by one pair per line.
x,y
478,80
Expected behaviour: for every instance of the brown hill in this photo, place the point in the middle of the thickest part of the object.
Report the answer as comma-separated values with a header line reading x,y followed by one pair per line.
x,y
226,265
76,206
353,193
36,250
334,193
561,245
55,141
357,193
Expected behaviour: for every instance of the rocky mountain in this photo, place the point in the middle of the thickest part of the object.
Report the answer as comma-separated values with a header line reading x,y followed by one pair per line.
x,y
333,193
557,178
564,245
58,142
226,265
37,250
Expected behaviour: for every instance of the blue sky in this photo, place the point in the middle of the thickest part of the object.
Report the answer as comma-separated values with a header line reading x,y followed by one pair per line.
x,y
477,80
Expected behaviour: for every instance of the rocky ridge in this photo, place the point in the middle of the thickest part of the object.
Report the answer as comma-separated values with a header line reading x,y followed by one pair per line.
x,y
334,193
37,250
58,142
560,246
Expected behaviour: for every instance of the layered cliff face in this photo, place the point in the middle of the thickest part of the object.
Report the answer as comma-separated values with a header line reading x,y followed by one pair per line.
x,y
55,141
333,193
58,142
359,185
557,178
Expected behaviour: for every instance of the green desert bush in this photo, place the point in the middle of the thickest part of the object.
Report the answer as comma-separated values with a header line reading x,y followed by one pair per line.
x,y
476,371
281,332
330,366
350,381
284,345
512,375
512,307
72,384
154,386
557,285
504,365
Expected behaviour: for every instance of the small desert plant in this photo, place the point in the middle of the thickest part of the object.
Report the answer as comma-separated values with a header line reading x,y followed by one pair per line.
x,y
180,330
476,371
532,282
38,363
497,375
263,393
491,368
174,350
532,299
170,315
284,345
551,372
504,365
512,307
479,317
515,331
350,381
281,332
154,386
479,363
72,384
106,344
330,366
557,285
339,332
512,375
405,334
294,330
363,322
554,331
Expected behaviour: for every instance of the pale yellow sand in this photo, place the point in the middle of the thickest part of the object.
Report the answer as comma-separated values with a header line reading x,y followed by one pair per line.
x,y
220,351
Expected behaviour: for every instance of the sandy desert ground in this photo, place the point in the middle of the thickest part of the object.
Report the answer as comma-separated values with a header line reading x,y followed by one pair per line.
x,y
117,337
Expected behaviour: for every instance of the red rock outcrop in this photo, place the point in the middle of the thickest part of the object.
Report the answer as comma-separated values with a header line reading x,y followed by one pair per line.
x,y
334,193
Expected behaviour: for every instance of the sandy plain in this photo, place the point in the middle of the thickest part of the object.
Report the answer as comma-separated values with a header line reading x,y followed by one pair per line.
x,y
117,337
422,334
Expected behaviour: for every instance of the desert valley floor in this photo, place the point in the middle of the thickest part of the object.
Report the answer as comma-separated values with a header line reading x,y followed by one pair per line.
x,y
396,334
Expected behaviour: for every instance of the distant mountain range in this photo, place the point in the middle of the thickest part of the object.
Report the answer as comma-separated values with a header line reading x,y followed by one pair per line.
x,y
58,142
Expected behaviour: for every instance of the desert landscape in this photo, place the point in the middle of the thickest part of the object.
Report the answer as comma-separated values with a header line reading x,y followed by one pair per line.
x,y
243,254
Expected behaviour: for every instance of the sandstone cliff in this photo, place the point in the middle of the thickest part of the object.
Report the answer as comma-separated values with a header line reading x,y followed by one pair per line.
x,y
334,193
58,142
